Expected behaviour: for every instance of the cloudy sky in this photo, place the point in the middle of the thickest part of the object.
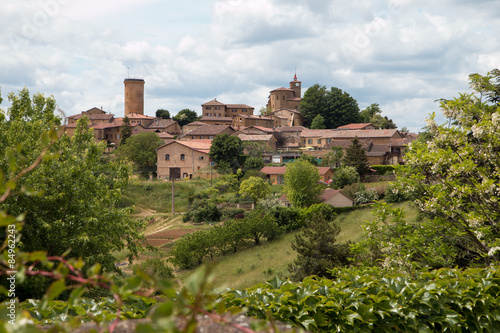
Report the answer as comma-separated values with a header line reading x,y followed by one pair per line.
x,y
401,54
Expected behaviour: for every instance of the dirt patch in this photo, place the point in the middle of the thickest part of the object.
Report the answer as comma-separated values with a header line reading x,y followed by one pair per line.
x,y
166,236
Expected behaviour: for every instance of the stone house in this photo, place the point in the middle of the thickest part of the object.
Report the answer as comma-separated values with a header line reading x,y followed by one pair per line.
x,y
214,108
335,198
288,117
277,174
211,120
181,159
207,132
361,126
265,139
241,121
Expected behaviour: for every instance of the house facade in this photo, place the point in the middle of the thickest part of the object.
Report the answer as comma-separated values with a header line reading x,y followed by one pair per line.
x,y
214,108
181,159
277,174
241,121
286,98
207,132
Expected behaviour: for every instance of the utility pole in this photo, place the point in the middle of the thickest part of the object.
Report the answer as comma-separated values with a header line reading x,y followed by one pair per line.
x,y
173,206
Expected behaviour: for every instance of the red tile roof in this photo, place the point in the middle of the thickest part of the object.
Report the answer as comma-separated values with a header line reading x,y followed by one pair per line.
x,y
209,130
212,102
355,126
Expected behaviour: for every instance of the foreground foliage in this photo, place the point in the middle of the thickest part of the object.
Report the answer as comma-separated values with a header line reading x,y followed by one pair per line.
x,y
371,300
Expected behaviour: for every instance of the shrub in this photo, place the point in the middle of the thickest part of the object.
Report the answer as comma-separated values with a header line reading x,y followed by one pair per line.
x,y
343,176
363,197
155,267
288,218
384,169
352,189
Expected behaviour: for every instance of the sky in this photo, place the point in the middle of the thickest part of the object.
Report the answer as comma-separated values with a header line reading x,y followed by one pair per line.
x,y
402,54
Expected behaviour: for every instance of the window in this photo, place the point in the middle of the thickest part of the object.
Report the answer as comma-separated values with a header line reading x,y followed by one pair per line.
x,y
193,137
309,141
183,157
283,97
118,136
319,141
208,114
201,137
208,108
184,175
211,137
217,108
281,179
167,157
244,110
328,140
202,158
234,110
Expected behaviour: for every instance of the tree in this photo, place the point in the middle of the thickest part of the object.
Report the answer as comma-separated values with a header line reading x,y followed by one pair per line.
x,y
77,193
302,185
343,176
264,111
318,122
141,150
255,187
335,106
333,158
258,224
457,174
162,113
253,163
309,158
186,116
125,130
355,156
225,150
372,115
317,251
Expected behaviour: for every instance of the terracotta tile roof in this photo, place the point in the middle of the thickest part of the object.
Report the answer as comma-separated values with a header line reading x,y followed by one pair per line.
x,y
288,110
165,135
199,145
248,137
260,128
290,129
211,118
402,142
212,102
209,130
281,170
161,123
307,132
196,123
294,99
138,116
238,106
75,116
355,126
282,89
328,194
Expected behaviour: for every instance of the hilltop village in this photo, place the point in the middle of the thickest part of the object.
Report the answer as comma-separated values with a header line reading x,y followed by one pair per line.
x,y
281,130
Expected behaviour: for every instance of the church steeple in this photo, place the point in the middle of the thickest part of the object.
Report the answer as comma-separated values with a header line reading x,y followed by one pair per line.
x,y
295,85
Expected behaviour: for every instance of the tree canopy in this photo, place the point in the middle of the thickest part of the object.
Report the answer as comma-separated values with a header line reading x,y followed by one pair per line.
x,y
125,130
454,180
225,150
162,113
372,114
335,106
255,187
141,150
302,185
76,205
355,156
185,116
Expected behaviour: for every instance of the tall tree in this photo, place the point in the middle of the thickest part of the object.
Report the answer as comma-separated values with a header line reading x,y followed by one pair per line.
x,y
255,187
335,106
372,114
185,116
225,150
78,193
317,248
457,173
355,156
141,150
125,130
162,113
302,185
318,122
333,158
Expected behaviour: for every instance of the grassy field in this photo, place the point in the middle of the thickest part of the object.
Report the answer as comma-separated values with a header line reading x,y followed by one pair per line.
x,y
261,263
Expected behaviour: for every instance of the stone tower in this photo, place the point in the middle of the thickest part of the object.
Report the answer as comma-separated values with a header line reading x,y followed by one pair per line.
x,y
134,96
295,85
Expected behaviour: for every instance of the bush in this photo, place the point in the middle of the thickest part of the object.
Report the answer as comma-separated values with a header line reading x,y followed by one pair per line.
x,y
352,189
232,213
363,197
344,176
203,212
288,218
384,169
253,163
393,194
155,267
